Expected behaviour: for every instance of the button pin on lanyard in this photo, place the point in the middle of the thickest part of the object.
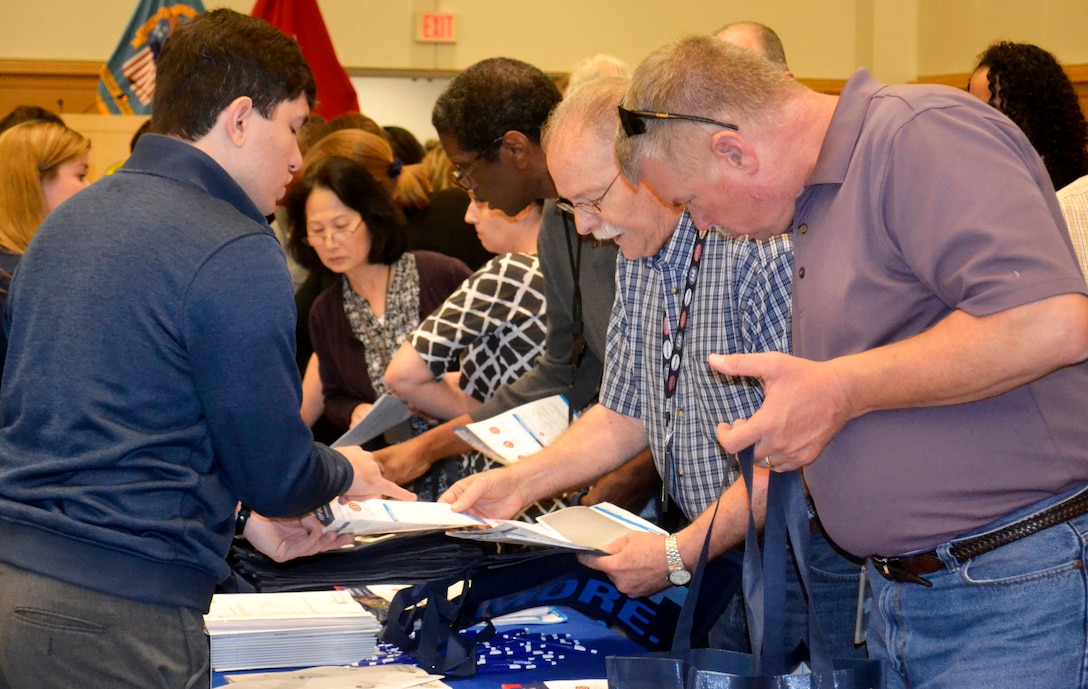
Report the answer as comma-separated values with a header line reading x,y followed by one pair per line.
x,y
672,351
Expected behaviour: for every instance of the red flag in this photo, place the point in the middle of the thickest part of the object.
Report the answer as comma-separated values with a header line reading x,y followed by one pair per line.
x,y
301,19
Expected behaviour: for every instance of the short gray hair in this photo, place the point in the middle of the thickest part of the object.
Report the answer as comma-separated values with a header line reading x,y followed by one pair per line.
x,y
702,76
589,107
600,65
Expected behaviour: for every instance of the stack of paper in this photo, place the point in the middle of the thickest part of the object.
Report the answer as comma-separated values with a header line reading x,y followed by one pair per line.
x,y
251,631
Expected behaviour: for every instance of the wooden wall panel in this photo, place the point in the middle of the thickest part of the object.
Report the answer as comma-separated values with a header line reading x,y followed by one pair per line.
x,y
59,85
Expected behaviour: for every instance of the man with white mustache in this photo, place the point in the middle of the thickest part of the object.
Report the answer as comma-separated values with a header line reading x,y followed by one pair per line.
x,y
681,296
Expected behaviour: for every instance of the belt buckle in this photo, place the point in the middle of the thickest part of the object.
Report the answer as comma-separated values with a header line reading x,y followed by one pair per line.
x,y
891,568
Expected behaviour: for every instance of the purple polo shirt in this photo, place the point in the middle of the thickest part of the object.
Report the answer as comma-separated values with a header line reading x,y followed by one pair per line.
x,y
923,201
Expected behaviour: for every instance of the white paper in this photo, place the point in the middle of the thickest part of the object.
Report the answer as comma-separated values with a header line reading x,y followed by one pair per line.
x,y
268,630
367,517
379,676
519,432
387,412
575,528
268,610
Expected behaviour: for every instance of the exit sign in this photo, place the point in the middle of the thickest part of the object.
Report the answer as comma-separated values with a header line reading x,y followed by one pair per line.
x,y
432,27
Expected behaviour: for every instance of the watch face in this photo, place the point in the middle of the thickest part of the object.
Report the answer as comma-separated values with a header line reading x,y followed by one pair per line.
x,y
679,577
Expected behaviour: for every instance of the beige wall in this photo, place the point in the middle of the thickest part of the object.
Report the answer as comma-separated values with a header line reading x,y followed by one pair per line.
x,y
897,39
952,33
820,36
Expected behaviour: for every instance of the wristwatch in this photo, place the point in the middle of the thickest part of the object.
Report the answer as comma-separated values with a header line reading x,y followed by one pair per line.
x,y
678,575
240,519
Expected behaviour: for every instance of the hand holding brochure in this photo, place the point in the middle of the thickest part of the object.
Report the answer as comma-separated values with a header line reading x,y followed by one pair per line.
x,y
574,528
520,432
387,412
369,517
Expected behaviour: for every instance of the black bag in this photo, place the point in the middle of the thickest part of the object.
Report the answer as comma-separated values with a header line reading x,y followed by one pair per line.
x,y
426,624
770,665
406,559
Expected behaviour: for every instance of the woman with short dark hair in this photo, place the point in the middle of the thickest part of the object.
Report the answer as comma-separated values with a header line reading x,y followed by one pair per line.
x,y
344,219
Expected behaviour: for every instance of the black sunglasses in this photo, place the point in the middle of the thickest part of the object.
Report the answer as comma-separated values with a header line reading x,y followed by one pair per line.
x,y
634,121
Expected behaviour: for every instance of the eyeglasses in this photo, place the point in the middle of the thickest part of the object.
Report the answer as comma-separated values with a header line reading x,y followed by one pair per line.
x,y
463,178
633,121
591,207
322,238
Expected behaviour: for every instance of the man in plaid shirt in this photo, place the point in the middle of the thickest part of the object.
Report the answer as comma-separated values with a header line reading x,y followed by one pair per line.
x,y
681,297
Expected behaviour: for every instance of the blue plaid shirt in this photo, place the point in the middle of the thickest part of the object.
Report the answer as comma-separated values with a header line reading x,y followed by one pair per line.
x,y
741,303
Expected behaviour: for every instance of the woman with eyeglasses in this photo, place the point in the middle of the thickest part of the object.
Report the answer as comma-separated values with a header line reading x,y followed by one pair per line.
x,y
406,185
342,219
42,164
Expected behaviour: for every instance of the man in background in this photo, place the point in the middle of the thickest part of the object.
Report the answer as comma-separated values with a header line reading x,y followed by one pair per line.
x,y
759,38
489,121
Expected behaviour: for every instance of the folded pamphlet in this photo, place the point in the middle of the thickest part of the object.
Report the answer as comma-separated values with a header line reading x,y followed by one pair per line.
x,y
388,411
573,528
519,432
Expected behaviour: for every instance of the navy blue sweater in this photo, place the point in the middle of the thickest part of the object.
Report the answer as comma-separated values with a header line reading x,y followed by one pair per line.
x,y
151,384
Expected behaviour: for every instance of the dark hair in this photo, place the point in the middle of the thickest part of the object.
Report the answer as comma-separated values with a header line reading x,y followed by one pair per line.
x,y
220,56
1029,85
28,113
406,147
358,190
491,98
144,128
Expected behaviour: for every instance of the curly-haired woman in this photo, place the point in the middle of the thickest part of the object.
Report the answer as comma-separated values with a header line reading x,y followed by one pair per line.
x,y
1028,85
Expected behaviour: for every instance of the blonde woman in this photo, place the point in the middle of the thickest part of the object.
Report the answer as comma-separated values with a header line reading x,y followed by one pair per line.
x,y
41,165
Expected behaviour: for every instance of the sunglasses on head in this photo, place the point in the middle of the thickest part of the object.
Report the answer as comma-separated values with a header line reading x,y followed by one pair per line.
x,y
634,121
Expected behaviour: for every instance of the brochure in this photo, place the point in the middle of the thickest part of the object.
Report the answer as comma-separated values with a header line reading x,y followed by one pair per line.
x,y
371,517
574,528
387,412
519,432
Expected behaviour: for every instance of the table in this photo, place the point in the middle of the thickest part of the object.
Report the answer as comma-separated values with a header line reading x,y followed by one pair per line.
x,y
591,633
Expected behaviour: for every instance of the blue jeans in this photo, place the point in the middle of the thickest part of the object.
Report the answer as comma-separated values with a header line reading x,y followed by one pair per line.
x,y
835,593
1016,616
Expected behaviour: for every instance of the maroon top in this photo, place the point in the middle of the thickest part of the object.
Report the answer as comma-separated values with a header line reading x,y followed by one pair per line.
x,y
343,364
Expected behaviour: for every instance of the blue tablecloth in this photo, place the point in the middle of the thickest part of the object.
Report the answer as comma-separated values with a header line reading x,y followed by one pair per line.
x,y
592,634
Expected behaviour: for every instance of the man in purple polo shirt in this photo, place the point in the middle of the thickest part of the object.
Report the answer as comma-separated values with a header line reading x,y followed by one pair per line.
x,y
940,331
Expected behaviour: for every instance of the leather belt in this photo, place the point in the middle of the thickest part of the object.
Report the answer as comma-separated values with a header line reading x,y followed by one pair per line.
x,y
910,569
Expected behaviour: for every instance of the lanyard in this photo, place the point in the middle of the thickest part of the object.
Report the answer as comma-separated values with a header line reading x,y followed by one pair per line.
x,y
672,351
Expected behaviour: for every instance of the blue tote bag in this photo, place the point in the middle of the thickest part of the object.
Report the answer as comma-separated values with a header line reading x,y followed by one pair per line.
x,y
770,665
